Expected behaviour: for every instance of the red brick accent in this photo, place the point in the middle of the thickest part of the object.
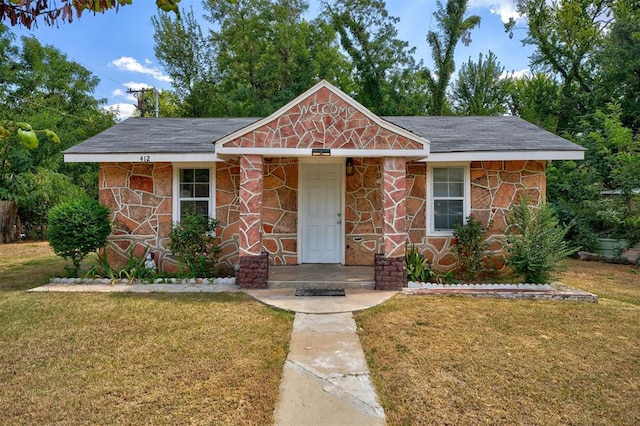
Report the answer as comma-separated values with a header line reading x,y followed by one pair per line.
x,y
390,273
253,271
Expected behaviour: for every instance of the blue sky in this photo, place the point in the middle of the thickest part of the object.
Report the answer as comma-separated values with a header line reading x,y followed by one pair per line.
x,y
118,47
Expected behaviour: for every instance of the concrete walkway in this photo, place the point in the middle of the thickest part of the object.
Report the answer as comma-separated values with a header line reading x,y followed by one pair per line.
x,y
325,380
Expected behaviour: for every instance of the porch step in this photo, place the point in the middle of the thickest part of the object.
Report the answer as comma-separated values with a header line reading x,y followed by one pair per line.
x,y
365,285
321,276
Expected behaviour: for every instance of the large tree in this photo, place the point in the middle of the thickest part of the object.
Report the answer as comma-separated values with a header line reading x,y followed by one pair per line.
x,y
187,57
536,98
267,53
566,34
259,55
618,63
481,88
40,86
386,75
453,27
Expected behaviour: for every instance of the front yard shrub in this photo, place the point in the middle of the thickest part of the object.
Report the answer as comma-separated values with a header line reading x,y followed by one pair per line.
x,y
471,243
77,228
134,269
192,241
536,245
419,268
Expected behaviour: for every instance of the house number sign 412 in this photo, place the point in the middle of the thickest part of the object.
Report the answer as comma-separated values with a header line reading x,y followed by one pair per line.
x,y
145,158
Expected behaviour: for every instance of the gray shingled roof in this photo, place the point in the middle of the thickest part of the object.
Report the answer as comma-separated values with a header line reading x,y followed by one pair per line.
x,y
465,134
447,134
161,135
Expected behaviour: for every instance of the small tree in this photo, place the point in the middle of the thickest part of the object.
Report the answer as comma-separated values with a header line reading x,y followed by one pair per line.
x,y
536,245
471,243
192,241
77,228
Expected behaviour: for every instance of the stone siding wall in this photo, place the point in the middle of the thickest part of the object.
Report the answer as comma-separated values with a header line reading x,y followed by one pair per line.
x,y
280,211
363,212
228,209
140,198
495,185
323,120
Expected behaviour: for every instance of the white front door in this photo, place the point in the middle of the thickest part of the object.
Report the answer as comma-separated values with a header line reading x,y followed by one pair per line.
x,y
321,215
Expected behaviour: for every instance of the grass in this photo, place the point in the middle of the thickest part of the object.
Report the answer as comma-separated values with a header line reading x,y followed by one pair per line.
x,y
132,358
217,358
452,360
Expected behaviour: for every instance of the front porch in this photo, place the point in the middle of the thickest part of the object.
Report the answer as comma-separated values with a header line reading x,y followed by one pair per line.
x,y
320,275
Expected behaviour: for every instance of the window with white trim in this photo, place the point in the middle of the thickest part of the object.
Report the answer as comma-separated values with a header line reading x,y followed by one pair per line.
x,y
194,191
448,201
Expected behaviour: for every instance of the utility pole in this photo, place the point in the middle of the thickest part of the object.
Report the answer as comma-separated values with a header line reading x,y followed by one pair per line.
x,y
139,94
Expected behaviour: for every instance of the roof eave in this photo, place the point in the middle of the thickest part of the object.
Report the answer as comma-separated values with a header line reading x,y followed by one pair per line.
x,y
442,157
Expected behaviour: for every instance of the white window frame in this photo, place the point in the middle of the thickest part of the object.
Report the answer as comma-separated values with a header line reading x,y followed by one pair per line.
x,y
466,203
176,186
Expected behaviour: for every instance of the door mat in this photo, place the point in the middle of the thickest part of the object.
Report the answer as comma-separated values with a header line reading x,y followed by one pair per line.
x,y
320,292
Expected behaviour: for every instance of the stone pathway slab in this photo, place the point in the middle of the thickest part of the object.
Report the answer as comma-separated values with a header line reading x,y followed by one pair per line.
x,y
325,378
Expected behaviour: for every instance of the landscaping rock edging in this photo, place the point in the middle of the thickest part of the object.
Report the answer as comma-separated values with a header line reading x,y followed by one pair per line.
x,y
200,281
553,291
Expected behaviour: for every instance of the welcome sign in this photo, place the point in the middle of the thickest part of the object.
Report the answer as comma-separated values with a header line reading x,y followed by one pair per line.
x,y
327,109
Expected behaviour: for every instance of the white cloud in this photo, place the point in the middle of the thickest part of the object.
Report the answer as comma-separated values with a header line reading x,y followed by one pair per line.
x,y
127,63
522,73
505,8
134,85
121,110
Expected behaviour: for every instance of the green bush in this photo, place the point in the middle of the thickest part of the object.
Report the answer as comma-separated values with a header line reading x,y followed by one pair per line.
x,y
471,243
536,245
77,228
419,268
192,241
134,269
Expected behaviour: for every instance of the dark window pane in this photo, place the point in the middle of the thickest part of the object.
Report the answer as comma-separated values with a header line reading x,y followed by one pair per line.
x,y
186,175
456,189
186,190
456,174
440,175
446,213
440,189
201,190
202,175
194,207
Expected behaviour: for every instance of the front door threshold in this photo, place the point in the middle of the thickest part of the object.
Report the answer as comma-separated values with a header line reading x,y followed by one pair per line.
x,y
320,276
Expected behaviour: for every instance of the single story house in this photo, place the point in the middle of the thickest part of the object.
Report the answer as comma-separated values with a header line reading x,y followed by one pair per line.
x,y
321,180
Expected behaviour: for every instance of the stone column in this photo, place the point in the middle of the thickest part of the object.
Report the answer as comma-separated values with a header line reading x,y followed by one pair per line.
x,y
253,269
390,268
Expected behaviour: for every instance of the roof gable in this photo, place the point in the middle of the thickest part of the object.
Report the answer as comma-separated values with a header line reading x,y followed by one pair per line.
x,y
324,117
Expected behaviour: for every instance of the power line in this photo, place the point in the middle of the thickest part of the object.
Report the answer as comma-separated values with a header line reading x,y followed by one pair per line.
x,y
139,94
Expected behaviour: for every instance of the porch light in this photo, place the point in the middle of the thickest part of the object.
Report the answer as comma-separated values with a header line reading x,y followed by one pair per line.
x,y
320,152
350,169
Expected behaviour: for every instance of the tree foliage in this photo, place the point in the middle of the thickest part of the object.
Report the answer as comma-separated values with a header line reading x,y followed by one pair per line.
x,y
535,98
383,64
618,63
453,27
481,88
566,35
27,12
44,91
